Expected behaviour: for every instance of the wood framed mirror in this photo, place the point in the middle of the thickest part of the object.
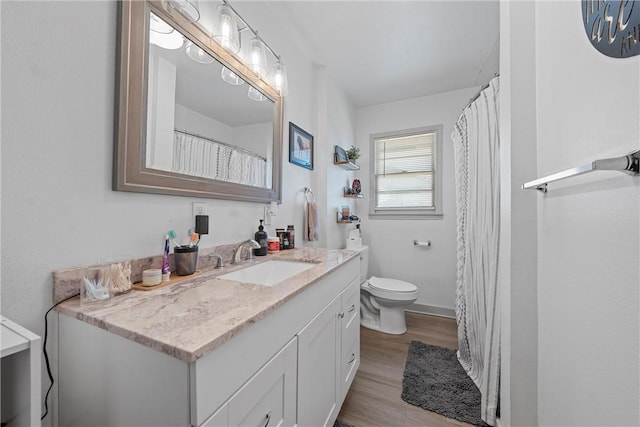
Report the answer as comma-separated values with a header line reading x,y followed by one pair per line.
x,y
182,130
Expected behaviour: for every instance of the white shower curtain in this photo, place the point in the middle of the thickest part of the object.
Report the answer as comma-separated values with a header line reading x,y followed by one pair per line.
x,y
476,152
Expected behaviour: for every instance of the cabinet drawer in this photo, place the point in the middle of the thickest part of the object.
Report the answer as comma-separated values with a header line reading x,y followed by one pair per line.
x,y
350,352
351,303
269,397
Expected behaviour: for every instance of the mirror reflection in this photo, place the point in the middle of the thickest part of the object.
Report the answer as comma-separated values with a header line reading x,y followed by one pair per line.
x,y
203,120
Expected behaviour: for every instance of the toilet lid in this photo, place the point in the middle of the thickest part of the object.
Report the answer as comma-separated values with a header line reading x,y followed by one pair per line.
x,y
384,284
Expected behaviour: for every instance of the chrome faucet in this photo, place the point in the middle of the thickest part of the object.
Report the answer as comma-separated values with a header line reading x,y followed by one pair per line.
x,y
238,252
220,263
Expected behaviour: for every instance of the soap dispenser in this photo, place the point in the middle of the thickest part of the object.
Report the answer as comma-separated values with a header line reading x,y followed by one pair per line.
x,y
261,237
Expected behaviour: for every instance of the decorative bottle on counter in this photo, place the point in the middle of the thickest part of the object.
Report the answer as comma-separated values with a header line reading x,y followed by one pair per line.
x,y
292,236
261,237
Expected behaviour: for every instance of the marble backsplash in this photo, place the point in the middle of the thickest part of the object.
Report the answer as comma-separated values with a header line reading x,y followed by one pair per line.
x,y
66,282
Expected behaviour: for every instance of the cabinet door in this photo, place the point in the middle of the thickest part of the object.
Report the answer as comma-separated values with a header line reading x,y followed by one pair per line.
x,y
350,319
269,397
220,418
319,370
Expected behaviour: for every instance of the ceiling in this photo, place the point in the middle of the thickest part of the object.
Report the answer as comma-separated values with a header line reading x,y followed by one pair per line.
x,y
384,51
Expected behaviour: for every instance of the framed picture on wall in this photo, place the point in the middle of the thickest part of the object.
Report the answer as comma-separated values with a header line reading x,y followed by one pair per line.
x,y
340,155
300,147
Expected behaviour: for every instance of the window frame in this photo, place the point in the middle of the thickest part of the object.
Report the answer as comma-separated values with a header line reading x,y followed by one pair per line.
x,y
434,212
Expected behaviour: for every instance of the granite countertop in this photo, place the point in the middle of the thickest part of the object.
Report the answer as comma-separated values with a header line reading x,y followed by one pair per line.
x,y
188,319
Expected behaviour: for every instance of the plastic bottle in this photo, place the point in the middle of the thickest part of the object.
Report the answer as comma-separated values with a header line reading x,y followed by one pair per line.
x,y
292,236
261,237
273,245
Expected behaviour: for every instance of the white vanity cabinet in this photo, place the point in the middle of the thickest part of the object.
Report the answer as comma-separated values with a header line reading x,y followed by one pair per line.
x,y
267,399
328,357
273,372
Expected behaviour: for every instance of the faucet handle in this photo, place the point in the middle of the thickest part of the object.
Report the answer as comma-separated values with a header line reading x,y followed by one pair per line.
x,y
220,263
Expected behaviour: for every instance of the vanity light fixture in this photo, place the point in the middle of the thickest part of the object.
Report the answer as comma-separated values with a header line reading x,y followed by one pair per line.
x,y
163,34
189,8
256,56
159,26
227,33
197,54
225,28
279,78
231,77
256,95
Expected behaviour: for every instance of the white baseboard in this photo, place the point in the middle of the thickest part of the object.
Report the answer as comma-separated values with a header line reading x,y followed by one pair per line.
x,y
432,310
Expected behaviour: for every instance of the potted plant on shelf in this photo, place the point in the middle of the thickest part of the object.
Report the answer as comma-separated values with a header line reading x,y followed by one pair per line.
x,y
353,154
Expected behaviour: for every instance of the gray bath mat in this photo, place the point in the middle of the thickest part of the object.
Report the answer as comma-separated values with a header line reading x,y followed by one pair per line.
x,y
339,423
434,380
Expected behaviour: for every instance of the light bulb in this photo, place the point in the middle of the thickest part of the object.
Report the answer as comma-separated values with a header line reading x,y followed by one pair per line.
x,y
225,29
279,78
171,41
188,8
230,77
256,95
197,54
257,57
159,26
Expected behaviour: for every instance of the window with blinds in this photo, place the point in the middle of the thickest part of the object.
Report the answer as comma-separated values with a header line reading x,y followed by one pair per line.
x,y
404,176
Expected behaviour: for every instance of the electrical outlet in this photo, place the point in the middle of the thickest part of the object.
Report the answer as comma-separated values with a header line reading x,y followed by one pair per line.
x,y
199,208
267,215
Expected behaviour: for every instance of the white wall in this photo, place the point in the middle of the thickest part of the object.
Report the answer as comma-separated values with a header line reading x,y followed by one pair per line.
x,y
194,122
392,253
588,227
255,138
58,103
161,98
341,131
518,266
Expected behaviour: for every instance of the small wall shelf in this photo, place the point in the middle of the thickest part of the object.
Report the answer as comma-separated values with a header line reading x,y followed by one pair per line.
x,y
340,220
340,159
350,166
346,193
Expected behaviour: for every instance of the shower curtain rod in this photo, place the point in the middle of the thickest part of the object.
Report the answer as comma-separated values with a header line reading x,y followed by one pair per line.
x,y
233,147
477,95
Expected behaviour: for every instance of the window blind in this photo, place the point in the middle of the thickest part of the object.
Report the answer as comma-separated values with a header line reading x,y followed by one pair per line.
x,y
404,171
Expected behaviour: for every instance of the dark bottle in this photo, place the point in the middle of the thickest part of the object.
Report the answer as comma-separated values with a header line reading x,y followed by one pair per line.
x,y
261,237
292,236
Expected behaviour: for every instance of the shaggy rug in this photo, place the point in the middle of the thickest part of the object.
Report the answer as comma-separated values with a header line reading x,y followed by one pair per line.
x,y
434,380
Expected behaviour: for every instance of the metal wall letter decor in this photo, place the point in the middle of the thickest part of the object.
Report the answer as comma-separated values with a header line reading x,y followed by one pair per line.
x,y
613,26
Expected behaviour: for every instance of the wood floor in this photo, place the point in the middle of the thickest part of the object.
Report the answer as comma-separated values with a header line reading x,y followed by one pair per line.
x,y
374,398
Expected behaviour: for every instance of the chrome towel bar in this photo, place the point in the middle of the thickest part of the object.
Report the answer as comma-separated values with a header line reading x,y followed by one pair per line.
x,y
629,164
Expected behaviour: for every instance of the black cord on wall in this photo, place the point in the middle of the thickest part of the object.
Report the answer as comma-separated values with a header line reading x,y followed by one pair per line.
x,y
46,356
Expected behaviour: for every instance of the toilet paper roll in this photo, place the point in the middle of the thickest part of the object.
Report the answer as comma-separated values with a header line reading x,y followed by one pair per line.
x,y
354,243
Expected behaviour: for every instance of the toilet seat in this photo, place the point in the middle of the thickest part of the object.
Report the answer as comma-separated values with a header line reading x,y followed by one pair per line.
x,y
390,289
393,285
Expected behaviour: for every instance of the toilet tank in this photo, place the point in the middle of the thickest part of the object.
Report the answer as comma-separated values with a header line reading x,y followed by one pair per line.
x,y
364,264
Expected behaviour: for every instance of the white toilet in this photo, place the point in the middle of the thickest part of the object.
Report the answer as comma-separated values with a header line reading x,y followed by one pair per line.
x,y
382,300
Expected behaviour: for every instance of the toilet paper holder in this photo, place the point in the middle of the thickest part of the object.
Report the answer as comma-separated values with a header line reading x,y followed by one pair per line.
x,y
418,243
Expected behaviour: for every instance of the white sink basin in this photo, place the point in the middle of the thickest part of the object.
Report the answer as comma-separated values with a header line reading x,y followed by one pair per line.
x,y
268,273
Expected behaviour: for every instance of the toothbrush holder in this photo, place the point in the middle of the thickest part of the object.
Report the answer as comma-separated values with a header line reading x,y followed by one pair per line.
x,y
186,259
